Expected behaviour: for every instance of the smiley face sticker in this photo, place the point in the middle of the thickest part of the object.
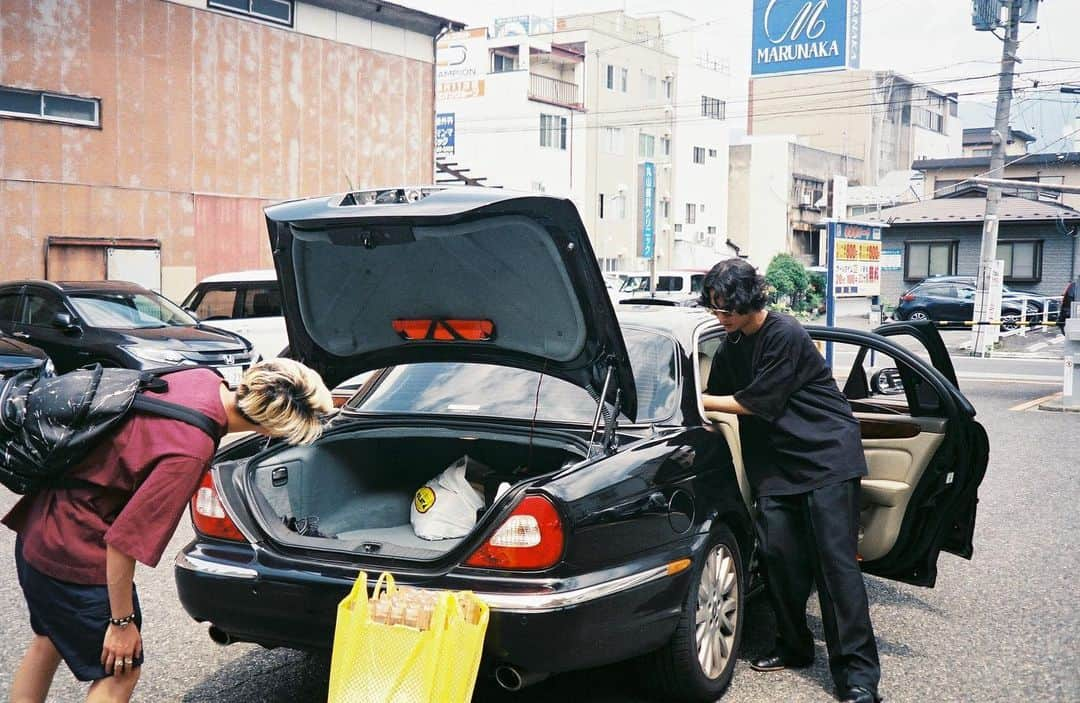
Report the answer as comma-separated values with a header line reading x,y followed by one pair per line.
x,y
425,498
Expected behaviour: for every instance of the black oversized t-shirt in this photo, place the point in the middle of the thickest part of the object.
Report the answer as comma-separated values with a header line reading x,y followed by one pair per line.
x,y
802,434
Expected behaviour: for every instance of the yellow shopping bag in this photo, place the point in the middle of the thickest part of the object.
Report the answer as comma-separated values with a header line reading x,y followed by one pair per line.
x,y
374,662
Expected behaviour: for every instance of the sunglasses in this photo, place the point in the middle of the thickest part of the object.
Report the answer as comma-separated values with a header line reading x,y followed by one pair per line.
x,y
726,312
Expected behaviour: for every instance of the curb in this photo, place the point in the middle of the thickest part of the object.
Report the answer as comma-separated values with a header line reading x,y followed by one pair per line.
x,y
1057,407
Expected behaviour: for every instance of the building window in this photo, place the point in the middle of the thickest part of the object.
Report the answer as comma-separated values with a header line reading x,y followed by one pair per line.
x,y
669,88
610,82
699,155
553,132
50,107
806,192
711,230
625,79
691,214
503,63
712,153
613,140
678,227
926,259
714,108
279,11
927,119
665,146
646,145
601,207
622,207
1023,260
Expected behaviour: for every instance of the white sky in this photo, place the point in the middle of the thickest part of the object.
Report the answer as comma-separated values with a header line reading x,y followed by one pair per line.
x,y
928,40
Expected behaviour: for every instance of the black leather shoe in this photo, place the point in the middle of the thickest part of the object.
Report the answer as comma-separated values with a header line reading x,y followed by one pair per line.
x,y
858,694
777,662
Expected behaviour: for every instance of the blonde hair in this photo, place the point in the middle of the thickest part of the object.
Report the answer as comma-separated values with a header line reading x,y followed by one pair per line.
x,y
286,398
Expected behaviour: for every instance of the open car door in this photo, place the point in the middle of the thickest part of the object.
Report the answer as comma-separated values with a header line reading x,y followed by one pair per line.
x,y
925,452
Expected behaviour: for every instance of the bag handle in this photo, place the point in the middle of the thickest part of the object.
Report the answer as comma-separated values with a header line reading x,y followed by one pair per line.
x,y
385,582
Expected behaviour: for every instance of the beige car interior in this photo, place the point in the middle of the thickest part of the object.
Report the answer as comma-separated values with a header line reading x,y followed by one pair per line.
x,y
898,448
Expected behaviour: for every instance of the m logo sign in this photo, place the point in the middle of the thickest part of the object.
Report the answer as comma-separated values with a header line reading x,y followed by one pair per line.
x,y
800,36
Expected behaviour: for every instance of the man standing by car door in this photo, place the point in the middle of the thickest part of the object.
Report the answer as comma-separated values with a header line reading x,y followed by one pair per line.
x,y
76,547
803,452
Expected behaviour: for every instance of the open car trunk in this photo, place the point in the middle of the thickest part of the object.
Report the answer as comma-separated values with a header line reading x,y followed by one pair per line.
x,y
352,492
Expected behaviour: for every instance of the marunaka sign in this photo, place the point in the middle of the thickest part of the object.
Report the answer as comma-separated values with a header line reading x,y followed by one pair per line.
x,y
800,36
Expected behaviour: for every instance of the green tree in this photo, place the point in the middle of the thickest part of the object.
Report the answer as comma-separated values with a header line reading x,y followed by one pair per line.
x,y
789,280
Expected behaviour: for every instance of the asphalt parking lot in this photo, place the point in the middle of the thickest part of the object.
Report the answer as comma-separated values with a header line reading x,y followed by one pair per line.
x,y
1003,627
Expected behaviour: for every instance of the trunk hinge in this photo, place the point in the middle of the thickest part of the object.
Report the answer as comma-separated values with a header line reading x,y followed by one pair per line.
x,y
609,440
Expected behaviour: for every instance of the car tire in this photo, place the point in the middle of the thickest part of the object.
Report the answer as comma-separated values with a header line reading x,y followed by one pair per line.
x,y
717,583
918,315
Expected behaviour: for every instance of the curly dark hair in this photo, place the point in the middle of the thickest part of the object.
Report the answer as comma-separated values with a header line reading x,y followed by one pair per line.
x,y
737,283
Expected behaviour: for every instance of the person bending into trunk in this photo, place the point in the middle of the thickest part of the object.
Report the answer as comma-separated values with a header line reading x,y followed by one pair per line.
x,y
76,548
803,454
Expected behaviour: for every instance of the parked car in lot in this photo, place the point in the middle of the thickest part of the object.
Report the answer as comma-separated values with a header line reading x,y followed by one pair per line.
x,y
954,301
1021,297
16,356
115,323
626,529
678,282
247,303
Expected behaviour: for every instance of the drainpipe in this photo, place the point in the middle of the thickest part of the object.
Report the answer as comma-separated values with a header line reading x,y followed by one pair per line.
x,y
443,31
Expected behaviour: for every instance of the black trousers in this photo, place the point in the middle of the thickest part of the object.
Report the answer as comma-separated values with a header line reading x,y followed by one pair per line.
x,y
811,537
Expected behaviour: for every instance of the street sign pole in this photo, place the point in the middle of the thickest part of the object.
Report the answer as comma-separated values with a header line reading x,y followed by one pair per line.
x,y
982,335
830,287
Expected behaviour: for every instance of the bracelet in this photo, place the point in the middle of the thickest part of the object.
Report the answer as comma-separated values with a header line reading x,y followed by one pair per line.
x,y
122,622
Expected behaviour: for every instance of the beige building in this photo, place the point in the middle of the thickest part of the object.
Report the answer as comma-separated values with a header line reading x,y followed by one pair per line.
x,y
143,137
879,117
979,142
943,177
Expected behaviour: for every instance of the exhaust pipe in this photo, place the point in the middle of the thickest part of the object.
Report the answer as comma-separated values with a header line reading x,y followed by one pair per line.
x,y
511,678
220,636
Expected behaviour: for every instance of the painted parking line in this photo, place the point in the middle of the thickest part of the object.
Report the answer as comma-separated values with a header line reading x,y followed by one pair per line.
x,y
1037,347
1035,403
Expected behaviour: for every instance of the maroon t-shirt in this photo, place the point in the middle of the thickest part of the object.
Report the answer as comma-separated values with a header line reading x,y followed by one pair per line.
x,y
146,475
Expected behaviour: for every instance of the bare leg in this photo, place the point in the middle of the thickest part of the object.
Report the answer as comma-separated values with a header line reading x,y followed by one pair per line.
x,y
113,689
35,674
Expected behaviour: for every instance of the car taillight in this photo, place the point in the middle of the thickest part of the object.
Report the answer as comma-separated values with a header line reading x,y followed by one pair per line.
x,y
907,297
530,538
208,514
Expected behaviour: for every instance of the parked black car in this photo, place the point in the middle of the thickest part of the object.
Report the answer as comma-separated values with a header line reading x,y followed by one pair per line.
x,y
1021,297
626,529
115,323
16,356
954,301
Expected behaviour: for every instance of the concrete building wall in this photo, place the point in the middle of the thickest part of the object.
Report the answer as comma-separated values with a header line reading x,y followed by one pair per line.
x,y
200,103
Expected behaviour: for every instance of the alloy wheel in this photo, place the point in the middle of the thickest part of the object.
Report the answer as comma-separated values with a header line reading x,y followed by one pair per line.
x,y
918,315
717,611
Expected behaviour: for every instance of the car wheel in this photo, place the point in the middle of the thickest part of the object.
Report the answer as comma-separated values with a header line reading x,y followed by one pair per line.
x,y
698,661
918,316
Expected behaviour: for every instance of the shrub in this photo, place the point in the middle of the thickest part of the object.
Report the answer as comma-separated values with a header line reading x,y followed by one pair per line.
x,y
789,280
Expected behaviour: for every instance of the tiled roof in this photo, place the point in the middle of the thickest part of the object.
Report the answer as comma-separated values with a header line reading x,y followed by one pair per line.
x,y
1012,209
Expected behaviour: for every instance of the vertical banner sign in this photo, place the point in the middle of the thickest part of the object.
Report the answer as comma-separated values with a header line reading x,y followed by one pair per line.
x,y
444,134
801,36
648,209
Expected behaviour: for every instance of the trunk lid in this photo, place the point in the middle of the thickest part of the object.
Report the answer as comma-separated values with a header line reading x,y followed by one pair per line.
x,y
380,278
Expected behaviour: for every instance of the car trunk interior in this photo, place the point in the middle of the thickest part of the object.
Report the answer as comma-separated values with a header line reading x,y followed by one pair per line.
x,y
352,492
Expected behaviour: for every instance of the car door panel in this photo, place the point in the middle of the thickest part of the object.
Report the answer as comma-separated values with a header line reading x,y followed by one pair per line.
x,y
924,462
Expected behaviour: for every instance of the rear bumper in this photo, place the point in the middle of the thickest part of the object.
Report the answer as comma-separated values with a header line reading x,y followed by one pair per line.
x,y
609,621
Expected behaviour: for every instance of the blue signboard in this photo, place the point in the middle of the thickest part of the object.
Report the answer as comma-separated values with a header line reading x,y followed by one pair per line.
x,y
444,134
648,209
800,36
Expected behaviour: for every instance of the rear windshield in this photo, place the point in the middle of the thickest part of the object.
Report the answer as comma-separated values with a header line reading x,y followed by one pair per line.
x,y
500,391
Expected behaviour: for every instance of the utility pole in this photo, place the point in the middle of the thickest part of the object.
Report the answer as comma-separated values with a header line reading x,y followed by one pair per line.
x,y
982,336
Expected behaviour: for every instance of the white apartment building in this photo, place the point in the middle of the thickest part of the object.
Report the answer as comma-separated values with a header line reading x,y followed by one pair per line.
x,y
591,108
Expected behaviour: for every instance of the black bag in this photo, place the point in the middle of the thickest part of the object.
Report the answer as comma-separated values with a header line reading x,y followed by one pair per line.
x,y
49,424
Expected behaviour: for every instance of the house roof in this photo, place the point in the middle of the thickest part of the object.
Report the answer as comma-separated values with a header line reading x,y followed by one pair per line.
x,y
960,210
981,135
1070,158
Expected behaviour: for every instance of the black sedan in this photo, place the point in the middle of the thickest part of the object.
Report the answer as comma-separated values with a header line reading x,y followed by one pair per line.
x,y
954,301
16,356
617,514
115,323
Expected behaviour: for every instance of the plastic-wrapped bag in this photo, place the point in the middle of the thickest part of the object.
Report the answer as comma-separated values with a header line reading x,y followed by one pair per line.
x,y
445,507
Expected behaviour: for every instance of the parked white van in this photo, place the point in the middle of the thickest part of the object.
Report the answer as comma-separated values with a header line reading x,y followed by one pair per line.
x,y
245,302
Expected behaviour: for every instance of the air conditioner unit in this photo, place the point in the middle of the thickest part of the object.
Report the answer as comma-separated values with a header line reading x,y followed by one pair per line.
x,y
806,199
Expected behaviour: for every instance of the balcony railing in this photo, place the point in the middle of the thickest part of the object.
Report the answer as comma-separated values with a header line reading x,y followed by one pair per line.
x,y
554,91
